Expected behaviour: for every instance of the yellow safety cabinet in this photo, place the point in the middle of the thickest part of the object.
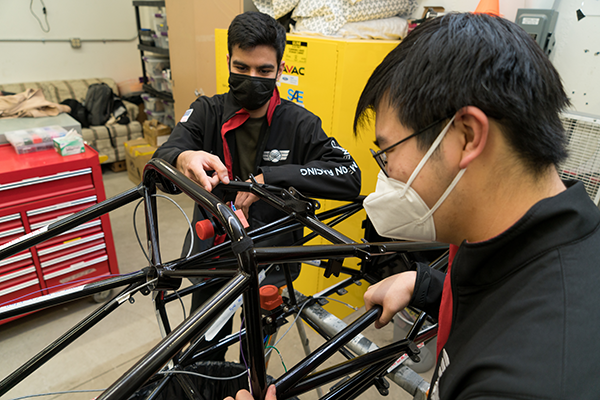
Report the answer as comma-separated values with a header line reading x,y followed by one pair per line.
x,y
327,76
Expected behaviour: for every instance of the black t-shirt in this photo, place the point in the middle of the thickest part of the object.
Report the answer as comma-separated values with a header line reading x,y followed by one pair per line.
x,y
246,142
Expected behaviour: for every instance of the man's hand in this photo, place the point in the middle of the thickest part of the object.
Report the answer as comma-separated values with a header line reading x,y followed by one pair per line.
x,y
245,395
392,293
244,200
194,165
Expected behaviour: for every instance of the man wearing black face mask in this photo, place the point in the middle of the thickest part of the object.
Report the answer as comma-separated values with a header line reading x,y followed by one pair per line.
x,y
251,130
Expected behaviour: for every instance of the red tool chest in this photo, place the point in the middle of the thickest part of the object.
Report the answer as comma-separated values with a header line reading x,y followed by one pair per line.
x,y
37,189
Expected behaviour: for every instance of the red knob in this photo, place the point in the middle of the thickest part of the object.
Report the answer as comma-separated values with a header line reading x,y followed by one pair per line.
x,y
269,297
205,229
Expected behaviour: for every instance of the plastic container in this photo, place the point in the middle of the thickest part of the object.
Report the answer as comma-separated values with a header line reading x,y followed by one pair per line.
x,y
166,85
156,39
155,65
159,116
146,37
164,40
168,108
160,22
152,103
161,28
161,39
169,121
129,86
156,82
36,139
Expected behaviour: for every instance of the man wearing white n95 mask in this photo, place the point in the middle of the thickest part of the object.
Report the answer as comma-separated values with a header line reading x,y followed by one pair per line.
x,y
467,122
414,219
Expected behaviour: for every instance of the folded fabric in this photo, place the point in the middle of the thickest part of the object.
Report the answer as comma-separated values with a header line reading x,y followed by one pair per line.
x,y
30,103
328,16
393,28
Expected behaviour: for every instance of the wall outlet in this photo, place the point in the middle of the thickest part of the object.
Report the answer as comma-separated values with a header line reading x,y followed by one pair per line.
x,y
76,43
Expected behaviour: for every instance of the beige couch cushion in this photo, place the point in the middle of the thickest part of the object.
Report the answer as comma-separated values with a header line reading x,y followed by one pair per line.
x,y
57,91
109,139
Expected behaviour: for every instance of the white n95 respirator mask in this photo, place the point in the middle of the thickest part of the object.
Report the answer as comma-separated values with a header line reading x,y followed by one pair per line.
x,y
396,209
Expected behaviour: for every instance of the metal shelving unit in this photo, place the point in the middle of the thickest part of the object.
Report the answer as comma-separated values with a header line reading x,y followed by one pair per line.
x,y
168,96
153,49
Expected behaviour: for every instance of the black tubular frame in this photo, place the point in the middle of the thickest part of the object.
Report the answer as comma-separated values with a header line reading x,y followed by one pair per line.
x,y
237,271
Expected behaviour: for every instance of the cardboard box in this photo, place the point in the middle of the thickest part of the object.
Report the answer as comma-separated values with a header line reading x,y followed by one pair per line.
x,y
137,153
155,133
70,144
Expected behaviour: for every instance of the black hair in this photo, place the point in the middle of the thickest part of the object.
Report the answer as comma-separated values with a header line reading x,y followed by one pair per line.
x,y
252,29
460,60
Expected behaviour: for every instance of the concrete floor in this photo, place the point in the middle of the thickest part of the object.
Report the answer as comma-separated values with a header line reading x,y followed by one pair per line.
x,y
102,354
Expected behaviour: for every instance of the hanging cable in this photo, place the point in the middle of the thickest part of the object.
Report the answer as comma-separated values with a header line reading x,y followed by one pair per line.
x,y
291,325
216,378
137,236
339,301
280,357
55,393
45,15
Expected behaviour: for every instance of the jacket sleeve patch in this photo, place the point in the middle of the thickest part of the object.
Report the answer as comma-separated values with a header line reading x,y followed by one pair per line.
x,y
186,115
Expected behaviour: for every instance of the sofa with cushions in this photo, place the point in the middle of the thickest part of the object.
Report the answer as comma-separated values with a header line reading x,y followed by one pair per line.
x,y
107,139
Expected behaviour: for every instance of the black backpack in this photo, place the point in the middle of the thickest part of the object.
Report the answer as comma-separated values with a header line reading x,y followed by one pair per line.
x,y
78,111
99,103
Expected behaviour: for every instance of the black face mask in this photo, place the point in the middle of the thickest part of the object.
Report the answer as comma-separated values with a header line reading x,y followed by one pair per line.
x,y
252,92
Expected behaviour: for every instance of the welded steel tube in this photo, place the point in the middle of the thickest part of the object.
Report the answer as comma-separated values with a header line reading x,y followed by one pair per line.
x,y
156,358
403,376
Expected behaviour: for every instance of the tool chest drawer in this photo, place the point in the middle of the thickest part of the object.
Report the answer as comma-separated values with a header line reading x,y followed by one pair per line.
x,y
92,227
55,212
71,250
73,273
45,186
11,226
40,189
18,283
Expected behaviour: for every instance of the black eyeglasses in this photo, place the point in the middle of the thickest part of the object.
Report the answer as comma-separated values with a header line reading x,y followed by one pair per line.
x,y
380,156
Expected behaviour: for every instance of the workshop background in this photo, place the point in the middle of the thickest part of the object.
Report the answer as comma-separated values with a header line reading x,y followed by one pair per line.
x,y
89,41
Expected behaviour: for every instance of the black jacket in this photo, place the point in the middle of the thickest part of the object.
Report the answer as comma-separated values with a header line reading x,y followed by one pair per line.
x,y
293,151
525,323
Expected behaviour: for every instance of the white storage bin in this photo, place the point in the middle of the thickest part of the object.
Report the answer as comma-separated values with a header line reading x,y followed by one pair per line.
x,y
159,116
160,22
156,39
152,103
166,85
156,82
155,65
164,40
168,108
169,121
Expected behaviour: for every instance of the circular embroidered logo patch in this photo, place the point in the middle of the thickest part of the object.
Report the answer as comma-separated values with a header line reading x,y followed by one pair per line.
x,y
274,155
